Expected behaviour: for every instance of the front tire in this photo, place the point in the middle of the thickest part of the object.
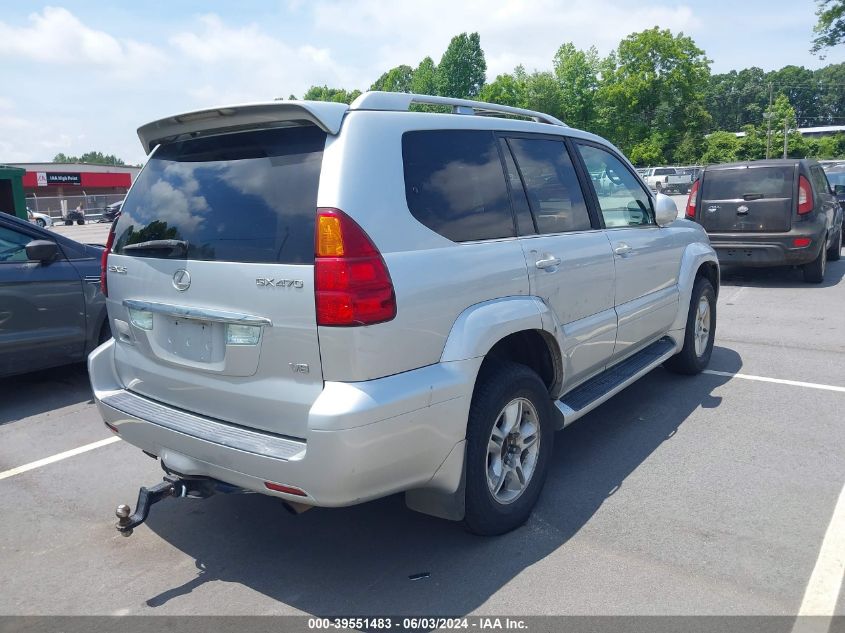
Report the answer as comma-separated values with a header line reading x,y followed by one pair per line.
x,y
835,250
700,332
509,443
814,271
80,222
40,222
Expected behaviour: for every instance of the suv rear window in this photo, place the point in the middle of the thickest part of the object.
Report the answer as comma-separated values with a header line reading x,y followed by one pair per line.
x,y
737,184
455,184
241,197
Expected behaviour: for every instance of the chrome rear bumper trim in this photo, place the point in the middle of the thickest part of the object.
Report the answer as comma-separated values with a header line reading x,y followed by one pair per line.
x,y
210,430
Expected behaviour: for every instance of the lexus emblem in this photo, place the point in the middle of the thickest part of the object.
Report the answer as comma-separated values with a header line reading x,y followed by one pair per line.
x,y
181,279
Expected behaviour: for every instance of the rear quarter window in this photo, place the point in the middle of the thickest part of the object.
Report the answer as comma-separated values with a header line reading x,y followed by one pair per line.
x,y
241,197
742,182
455,184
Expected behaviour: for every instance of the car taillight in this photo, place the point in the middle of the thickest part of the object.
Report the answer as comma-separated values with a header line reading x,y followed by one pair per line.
x,y
805,196
104,261
693,194
352,285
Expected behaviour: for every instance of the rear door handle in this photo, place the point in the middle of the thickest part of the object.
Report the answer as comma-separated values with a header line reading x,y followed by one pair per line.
x,y
548,262
622,249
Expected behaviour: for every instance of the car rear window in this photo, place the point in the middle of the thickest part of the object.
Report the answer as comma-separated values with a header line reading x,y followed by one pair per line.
x,y
455,184
737,184
241,197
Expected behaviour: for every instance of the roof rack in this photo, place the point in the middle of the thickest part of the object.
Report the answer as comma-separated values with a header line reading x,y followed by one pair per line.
x,y
402,101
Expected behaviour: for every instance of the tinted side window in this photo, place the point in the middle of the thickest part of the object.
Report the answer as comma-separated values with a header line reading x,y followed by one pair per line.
x,y
819,179
623,201
455,185
551,184
519,201
13,245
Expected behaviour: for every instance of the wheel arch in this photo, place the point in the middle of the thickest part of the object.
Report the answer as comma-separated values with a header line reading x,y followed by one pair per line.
x,y
699,260
511,328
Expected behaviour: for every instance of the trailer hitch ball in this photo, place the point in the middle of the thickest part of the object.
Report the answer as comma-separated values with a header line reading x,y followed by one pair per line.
x,y
122,513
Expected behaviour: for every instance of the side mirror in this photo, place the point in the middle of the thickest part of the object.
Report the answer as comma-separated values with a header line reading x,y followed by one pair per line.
x,y
839,190
665,211
43,251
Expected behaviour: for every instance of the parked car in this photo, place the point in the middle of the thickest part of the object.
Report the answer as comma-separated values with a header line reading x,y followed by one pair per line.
x,y
415,309
769,213
51,309
667,179
110,212
41,219
836,178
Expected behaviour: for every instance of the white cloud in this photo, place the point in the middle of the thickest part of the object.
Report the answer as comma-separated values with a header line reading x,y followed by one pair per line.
x,y
245,63
57,36
512,31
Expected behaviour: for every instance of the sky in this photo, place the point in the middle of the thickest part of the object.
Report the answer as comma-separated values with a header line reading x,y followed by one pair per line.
x,y
79,76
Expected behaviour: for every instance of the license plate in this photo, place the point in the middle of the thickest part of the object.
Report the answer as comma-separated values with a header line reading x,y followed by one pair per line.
x,y
191,339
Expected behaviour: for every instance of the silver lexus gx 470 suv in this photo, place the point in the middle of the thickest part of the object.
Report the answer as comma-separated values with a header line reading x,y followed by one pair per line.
x,y
331,303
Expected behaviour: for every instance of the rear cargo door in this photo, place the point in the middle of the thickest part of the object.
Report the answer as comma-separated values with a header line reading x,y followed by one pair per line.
x,y
211,278
748,198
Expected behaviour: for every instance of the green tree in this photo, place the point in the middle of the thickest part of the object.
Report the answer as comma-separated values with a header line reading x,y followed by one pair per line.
x,y
652,92
324,93
753,144
542,93
462,69
92,157
396,79
784,121
577,73
506,89
830,28
721,147
423,80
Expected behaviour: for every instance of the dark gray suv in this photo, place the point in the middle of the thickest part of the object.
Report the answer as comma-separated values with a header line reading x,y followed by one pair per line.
x,y
769,213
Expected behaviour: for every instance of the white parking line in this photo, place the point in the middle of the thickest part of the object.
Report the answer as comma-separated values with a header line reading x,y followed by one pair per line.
x,y
58,457
779,381
822,592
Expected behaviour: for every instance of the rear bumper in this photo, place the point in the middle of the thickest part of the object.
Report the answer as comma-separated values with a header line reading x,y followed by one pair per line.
x,y
767,249
365,440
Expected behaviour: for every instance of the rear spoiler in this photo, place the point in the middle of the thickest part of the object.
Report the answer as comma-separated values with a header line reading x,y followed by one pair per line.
x,y
326,115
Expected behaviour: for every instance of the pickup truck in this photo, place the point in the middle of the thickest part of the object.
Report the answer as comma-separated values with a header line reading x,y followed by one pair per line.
x,y
665,179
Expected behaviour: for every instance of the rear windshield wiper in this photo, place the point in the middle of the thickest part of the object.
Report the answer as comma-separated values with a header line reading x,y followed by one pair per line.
x,y
159,245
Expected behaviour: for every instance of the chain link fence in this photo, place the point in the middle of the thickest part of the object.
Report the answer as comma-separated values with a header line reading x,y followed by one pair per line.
x,y
58,206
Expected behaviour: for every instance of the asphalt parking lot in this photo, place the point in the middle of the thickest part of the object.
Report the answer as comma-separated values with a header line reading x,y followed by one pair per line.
x,y
682,495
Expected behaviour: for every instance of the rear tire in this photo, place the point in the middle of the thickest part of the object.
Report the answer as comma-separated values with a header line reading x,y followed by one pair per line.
x,y
68,222
835,250
814,271
700,332
509,443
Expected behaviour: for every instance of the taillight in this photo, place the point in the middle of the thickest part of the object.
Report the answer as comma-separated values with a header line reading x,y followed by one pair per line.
x,y
805,196
352,285
693,194
104,261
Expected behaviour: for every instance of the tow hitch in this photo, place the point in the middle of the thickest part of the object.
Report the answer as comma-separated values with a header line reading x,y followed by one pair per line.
x,y
172,486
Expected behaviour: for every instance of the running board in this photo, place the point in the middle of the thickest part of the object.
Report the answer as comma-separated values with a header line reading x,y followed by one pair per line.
x,y
607,384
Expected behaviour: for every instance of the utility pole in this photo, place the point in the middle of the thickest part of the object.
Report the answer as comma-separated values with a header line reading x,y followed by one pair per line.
x,y
769,124
785,137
